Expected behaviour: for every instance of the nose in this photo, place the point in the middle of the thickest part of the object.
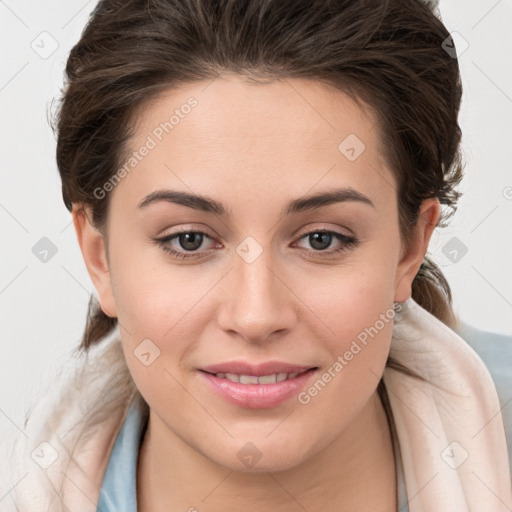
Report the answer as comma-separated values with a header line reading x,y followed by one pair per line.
x,y
259,304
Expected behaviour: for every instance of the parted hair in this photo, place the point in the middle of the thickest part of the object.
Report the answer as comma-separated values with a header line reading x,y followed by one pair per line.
x,y
388,55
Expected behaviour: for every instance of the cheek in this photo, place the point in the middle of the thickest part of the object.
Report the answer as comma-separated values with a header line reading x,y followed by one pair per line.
x,y
161,312
161,323
359,317
349,299
355,308
151,293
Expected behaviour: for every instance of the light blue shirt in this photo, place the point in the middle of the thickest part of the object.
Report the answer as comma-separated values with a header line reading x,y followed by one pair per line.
x,y
119,491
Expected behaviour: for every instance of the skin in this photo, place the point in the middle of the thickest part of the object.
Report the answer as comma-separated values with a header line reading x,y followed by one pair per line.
x,y
255,147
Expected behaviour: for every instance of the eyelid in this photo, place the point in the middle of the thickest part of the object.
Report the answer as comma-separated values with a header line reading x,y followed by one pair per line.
x,y
169,237
315,229
346,241
188,229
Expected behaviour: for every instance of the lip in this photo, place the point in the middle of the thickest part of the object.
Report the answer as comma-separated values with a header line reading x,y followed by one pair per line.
x,y
258,396
265,368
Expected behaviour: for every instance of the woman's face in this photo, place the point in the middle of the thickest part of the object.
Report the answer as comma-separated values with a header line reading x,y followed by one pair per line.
x,y
274,276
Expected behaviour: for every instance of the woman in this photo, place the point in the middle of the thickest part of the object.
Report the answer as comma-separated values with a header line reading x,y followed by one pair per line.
x,y
254,186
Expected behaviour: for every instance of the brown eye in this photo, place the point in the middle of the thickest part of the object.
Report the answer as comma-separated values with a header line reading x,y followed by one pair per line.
x,y
321,240
184,244
190,241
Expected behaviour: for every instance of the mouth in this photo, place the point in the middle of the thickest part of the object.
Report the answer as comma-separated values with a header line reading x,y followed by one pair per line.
x,y
271,378
257,387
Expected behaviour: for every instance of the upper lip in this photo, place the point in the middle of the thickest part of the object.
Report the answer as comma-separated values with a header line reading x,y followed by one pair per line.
x,y
257,370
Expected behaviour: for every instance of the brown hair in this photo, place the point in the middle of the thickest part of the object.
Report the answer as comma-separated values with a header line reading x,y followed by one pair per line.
x,y
388,54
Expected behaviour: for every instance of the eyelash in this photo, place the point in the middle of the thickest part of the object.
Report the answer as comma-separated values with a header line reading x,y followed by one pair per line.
x,y
348,243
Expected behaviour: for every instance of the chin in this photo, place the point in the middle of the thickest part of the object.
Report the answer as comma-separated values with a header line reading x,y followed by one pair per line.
x,y
251,459
274,465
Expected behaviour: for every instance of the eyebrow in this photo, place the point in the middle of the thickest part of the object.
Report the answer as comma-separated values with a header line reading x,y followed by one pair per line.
x,y
206,204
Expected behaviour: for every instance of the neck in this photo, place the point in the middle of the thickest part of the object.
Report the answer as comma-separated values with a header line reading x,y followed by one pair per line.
x,y
355,472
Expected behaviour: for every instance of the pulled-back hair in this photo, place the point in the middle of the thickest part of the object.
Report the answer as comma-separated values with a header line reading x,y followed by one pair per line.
x,y
389,54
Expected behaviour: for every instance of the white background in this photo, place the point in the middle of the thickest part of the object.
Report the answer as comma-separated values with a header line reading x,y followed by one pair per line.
x,y
43,305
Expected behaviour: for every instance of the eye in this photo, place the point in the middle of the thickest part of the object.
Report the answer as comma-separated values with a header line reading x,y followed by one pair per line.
x,y
321,239
188,243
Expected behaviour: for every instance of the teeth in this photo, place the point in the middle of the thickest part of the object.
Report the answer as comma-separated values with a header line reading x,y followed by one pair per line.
x,y
248,379
253,379
267,379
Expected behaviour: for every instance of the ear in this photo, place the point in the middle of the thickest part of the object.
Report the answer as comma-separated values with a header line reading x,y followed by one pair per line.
x,y
410,263
93,246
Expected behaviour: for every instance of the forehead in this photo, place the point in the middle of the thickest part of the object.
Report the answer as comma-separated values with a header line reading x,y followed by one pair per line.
x,y
290,136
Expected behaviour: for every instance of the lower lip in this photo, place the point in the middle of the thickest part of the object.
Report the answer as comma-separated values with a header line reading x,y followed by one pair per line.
x,y
257,396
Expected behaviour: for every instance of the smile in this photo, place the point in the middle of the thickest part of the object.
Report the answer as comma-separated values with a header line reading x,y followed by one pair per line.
x,y
253,379
257,391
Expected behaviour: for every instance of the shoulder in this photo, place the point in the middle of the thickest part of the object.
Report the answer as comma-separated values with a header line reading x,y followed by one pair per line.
x,y
61,455
495,350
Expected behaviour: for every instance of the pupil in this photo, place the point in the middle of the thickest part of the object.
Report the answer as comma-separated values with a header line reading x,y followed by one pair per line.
x,y
323,237
191,241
